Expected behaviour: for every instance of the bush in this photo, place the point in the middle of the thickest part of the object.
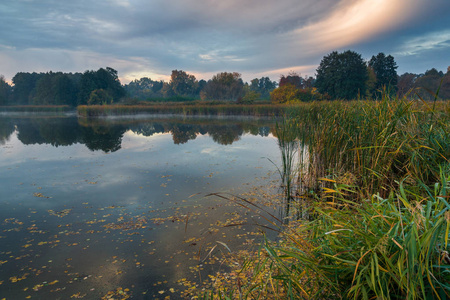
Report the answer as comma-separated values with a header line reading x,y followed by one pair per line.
x,y
288,93
100,96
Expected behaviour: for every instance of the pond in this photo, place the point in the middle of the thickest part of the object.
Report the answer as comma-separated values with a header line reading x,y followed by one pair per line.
x,y
121,208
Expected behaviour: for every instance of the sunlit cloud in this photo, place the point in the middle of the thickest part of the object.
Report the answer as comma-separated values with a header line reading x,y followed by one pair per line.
x,y
429,41
355,21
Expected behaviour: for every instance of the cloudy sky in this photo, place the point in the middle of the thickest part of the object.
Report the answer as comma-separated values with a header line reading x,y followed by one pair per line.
x,y
203,37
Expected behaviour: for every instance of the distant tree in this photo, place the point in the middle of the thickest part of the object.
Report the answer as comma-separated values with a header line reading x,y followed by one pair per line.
x,y
384,68
5,91
183,84
263,86
106,79
100,96
144,88
406,83
292,78
371,82
342,75
444,92
308,82
290,93
428,84
224,86
250,96
43,91
24,85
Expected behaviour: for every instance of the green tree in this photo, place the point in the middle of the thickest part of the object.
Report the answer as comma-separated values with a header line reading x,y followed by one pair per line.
x,y
144,88
384,68
100,96
342,75
24,85
5,91
106,79
263,86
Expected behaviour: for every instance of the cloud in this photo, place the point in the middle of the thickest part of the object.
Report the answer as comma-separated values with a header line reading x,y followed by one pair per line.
x,y
426,42
203,37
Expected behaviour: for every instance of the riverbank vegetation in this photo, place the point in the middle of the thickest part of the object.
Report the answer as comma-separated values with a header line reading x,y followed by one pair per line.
x,y
369,206
344,75
37,108
183,108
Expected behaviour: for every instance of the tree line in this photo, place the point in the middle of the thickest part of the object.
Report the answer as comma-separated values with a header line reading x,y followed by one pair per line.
x,y
339,76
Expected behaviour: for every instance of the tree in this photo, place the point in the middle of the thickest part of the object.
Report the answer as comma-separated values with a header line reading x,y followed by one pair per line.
x,y
384,68
262,86
224,86
428,84
106,79
290,93
99,96
144,88
292,78
5,91
24,84
342,75
183,84
406,83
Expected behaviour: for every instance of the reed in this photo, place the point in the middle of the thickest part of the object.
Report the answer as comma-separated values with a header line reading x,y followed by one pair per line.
x,y
36,108
376,178
188,109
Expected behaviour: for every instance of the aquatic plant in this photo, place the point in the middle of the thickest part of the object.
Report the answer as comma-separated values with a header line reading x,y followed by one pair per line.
x,y
376,176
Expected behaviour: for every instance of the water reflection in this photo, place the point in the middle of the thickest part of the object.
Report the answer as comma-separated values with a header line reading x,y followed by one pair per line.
x,y
106,135
89,207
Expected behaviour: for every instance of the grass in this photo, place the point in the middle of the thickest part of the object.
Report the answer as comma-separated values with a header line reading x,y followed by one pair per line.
x,y
376,178
190,109
36,108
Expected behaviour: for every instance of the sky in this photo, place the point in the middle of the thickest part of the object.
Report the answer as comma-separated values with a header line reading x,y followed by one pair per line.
x,y
150,38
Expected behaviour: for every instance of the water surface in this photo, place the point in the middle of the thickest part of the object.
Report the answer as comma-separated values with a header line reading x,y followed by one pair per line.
x,y
119,206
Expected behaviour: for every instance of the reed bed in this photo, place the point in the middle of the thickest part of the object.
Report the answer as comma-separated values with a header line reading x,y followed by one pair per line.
x,y
183,109
36,108
376,177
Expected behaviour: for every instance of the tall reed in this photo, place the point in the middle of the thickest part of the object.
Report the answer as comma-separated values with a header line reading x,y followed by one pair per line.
x,y
376,174
374,144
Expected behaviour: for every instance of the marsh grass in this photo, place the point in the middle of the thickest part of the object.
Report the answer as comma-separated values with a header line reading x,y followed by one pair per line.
x,y
36,108
376,176
188,109
373,144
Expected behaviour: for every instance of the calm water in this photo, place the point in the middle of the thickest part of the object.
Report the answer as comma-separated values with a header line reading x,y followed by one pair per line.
x,y
119,205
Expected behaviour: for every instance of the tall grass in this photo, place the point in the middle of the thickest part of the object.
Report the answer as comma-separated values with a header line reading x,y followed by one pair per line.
x,y
36,108
373,144
376,175
183,109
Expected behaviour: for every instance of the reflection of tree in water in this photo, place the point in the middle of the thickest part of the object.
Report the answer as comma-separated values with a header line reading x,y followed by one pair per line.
x,y
67,131
148,129
54,131
105,138
6,129
225,134
182,133
264,131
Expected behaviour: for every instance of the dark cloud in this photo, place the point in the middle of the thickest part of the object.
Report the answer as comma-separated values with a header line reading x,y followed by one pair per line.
x,y
139,37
